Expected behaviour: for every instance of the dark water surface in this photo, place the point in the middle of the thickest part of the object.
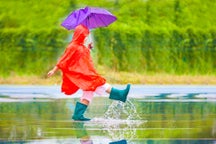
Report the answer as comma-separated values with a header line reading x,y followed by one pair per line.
x,y
152,114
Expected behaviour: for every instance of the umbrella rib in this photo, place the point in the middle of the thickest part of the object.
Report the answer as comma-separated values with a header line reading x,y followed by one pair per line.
x,y
103,21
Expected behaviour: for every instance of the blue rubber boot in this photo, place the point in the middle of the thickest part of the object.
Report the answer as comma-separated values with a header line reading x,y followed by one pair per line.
x,y
119,142
120,95
79,111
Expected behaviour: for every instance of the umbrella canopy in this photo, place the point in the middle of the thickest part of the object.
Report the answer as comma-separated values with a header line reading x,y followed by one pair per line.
x,y
91,17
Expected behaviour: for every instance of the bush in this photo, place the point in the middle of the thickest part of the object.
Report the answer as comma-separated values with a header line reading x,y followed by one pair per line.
x,y
178,51
24,51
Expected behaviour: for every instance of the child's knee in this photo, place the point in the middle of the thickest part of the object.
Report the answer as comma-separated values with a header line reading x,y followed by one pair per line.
x,y
87,95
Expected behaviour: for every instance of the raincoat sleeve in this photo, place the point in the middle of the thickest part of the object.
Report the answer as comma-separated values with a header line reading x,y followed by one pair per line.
x,y
66,58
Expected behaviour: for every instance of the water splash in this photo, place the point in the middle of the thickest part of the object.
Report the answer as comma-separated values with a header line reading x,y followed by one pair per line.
x,y
120,110
121,120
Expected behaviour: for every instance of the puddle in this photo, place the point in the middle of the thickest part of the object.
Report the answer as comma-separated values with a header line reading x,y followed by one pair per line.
x,y
45,117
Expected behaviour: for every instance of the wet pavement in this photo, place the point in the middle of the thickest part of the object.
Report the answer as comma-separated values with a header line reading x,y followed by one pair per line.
x,y
152,114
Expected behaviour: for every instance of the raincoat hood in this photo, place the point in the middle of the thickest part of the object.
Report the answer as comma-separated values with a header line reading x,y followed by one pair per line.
x,y
80,33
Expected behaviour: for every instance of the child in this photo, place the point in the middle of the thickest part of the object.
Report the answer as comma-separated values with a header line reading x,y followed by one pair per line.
x,y
78,72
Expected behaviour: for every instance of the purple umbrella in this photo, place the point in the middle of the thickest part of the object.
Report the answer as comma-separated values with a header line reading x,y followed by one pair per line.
x,y
91,17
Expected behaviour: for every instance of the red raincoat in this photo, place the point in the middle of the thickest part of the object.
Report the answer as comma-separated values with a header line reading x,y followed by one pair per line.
x,y
77,66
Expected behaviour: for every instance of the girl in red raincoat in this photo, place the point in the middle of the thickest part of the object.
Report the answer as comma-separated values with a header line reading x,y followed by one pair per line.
x,y
78,72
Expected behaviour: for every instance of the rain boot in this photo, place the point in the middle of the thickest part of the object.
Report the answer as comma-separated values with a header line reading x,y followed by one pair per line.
x,y
119,142
79,111
120,95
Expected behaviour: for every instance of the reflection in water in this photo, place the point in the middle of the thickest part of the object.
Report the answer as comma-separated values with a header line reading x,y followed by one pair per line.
x,y
84,137
120,120
143,120
12,133
81,133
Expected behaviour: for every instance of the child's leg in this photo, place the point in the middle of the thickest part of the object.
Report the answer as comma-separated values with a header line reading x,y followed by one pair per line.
x,y
82,106
115,94
101,90
86,97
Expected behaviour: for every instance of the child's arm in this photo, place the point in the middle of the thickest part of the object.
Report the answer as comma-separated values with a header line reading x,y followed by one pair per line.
x,y
51,72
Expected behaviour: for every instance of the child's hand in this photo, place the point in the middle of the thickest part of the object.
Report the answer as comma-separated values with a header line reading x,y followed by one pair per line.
x,y
51,72
90,45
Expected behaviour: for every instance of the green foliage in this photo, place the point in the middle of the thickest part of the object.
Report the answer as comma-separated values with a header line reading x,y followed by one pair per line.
x,y
24,51
171,36
46,14
179,51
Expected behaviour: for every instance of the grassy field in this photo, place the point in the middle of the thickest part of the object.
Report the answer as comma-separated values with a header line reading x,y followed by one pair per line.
x,y
114,77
